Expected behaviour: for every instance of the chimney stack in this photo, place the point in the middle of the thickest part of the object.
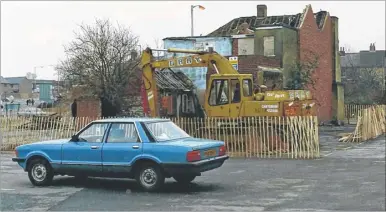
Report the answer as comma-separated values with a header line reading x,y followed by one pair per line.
x,y
261,11
341,51
372,47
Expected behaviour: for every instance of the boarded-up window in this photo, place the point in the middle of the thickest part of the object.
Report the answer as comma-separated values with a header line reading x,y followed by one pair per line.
x,y
246,46
269,44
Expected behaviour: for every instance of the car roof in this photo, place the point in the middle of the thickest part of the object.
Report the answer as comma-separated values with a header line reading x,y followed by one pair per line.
x,y
142,119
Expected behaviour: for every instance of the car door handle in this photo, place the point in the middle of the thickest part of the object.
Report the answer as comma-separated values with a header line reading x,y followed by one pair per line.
x,y
135,147
94,147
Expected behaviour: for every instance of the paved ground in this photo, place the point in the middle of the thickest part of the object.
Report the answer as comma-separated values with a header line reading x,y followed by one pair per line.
x,y
350,178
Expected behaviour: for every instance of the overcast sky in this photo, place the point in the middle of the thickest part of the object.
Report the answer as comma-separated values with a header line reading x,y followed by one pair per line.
x,y
33,33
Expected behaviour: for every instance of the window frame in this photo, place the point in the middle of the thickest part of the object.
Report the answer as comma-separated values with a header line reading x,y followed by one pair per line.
x,y
90,125
150,135
231,87
250,87
139,140
210,92
273,46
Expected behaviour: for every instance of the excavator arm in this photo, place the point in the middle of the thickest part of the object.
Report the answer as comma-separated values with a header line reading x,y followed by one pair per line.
x,y
210,59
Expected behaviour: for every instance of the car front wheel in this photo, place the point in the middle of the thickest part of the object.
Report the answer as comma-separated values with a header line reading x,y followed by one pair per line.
x,y
40,172
150,177
184,179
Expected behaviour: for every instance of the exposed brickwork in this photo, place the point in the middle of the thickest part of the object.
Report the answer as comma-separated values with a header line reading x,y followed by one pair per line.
x,y
318,41
235,47
88,108
249,63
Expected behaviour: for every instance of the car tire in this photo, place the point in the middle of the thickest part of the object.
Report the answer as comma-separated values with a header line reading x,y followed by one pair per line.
x,y
184,179
40,172
150,177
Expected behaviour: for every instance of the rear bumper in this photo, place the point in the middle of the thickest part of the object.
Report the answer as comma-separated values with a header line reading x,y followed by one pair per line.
x,y
19,160
194,167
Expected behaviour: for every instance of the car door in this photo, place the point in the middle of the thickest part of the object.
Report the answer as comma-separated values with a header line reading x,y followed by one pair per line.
x,y
85,154
122,146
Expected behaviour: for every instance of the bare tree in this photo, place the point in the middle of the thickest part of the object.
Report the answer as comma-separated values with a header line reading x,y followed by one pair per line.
x,y
99,58
363,85
301,73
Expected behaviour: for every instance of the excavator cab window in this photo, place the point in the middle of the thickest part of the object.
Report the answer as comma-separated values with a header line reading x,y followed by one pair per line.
x,y
219,93
247,87
236,93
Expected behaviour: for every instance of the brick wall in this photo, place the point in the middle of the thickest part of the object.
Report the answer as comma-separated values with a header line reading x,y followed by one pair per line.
x,y
318,41
249,63
88,108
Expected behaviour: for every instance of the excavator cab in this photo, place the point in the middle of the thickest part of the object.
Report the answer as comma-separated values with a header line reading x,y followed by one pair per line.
x,y
226,93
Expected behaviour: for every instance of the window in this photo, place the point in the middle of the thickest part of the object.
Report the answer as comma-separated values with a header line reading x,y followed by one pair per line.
x,y
93,133
122,133
219,93
166,130
246,46
236,93
247,87
269,46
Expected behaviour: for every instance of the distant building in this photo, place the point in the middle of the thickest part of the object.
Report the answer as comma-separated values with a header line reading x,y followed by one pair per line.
x,y
222,44
279,42
371,58
353,64
21,86
5,87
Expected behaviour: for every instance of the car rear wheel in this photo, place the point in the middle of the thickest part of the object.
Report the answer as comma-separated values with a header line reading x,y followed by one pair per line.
x,y
150,177
184,179
40,172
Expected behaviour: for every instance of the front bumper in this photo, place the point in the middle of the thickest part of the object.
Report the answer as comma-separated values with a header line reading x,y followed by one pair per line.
x,y
195,167
19,160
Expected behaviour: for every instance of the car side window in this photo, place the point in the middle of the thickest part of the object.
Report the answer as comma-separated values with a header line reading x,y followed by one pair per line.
x,y
93,133
122,133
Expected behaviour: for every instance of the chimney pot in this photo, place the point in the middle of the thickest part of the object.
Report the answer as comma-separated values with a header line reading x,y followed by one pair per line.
x,y
261,11
342,52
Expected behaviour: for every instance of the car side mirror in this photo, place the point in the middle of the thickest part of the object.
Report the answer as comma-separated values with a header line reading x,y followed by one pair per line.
x,y
74,138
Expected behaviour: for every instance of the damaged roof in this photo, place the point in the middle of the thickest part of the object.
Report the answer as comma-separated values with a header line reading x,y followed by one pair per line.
x,y
291,21
3,81
170,80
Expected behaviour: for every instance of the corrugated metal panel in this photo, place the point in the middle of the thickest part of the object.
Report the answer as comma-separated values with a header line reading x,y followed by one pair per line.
x,y
45,93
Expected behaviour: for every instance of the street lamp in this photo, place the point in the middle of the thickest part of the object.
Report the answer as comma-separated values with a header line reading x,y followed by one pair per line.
x,y
191,15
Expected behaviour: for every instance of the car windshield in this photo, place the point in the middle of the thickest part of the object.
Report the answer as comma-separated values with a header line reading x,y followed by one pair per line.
x,y
166,130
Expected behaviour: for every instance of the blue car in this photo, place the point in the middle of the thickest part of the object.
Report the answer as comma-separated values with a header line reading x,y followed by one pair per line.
x,y
148,150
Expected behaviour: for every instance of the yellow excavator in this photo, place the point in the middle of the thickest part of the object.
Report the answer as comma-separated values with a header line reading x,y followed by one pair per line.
x,y
228,93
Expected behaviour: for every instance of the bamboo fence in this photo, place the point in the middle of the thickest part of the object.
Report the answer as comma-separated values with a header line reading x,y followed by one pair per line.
x,y
258,137
371,124
352,111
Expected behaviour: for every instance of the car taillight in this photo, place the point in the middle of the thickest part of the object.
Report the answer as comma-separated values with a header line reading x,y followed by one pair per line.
x,y
222,150
193,156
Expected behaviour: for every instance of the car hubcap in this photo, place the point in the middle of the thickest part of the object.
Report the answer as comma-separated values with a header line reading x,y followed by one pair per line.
x,y
39,172
148,177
